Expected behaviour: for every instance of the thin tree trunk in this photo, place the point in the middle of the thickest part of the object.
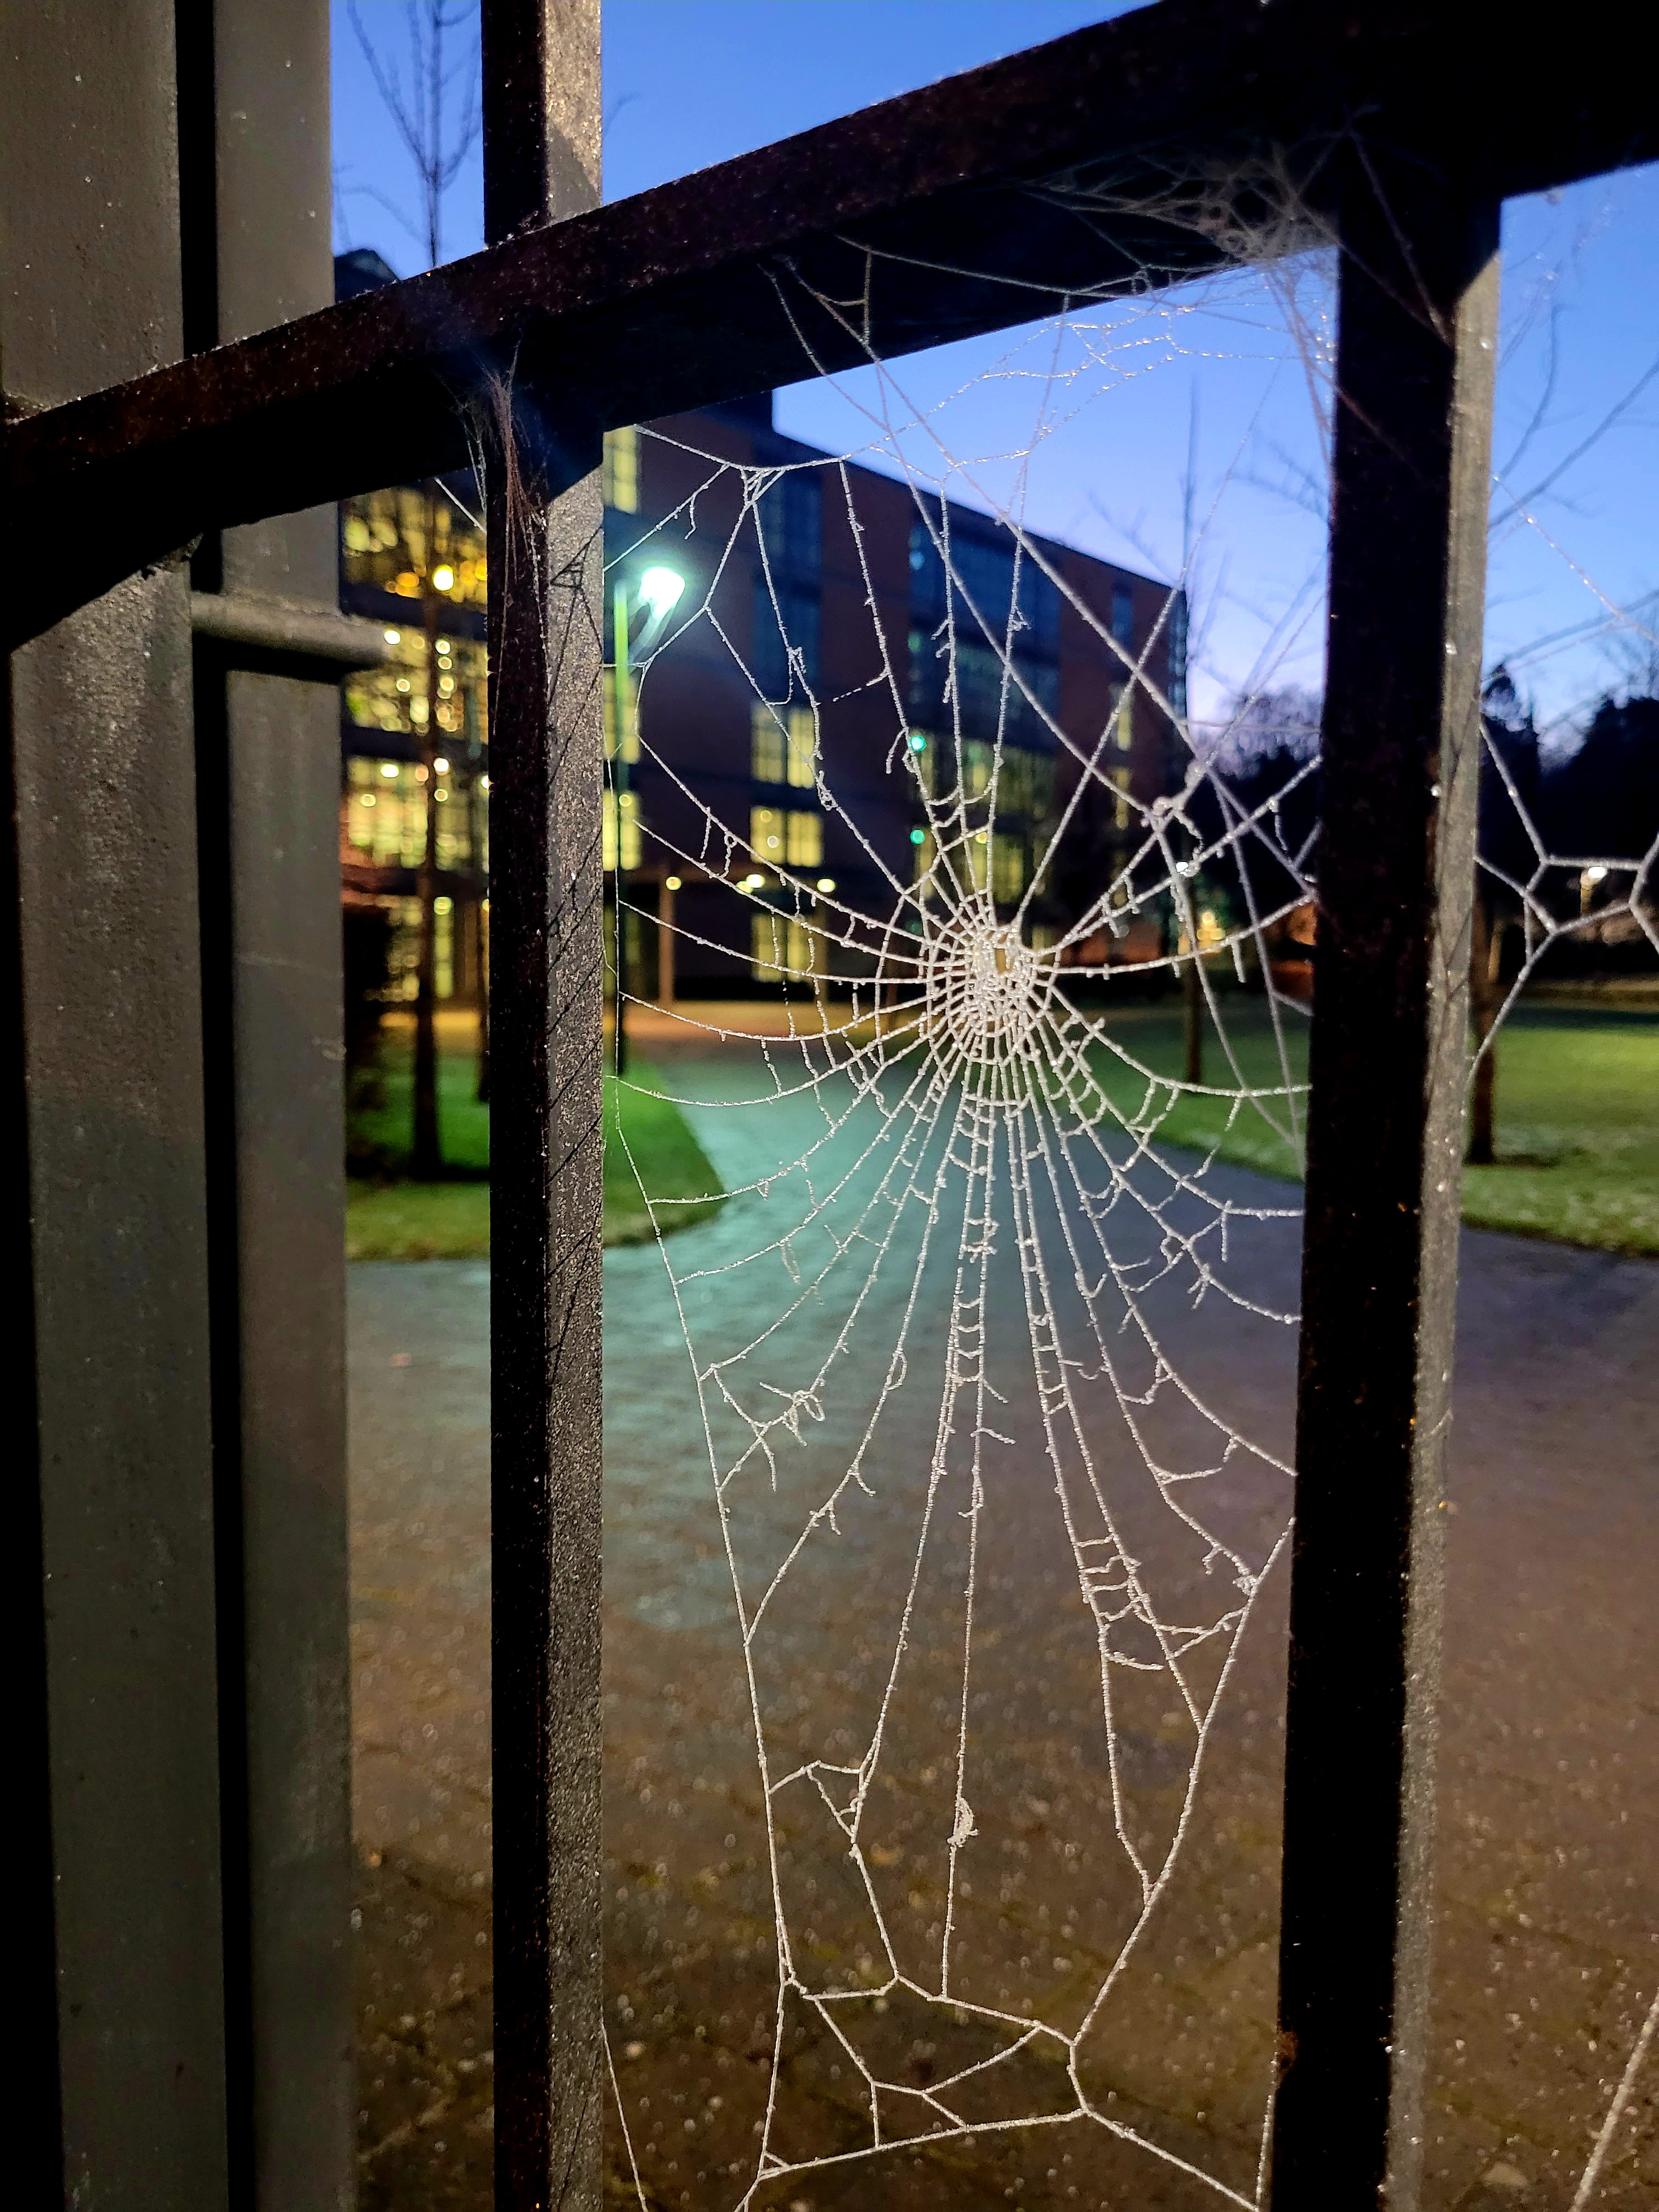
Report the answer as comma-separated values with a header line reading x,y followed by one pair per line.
x,y
428,1151
1483,1013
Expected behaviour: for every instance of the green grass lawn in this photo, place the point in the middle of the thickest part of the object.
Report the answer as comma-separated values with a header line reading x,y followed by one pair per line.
x,y
388,1217
1578,1113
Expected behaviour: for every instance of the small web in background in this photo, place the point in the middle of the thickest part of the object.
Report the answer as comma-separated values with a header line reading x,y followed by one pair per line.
x,y
998,1239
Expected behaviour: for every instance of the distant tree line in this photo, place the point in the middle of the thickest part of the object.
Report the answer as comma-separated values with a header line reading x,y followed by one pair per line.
x,y
1579,809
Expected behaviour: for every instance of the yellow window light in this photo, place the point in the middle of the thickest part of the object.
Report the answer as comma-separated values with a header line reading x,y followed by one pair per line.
x,y
621,470
804,841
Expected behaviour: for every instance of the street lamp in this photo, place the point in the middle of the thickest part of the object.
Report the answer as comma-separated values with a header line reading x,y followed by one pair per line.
x,y
658,592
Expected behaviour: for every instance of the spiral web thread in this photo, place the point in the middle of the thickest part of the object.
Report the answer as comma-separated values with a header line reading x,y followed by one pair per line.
x,y
982,1144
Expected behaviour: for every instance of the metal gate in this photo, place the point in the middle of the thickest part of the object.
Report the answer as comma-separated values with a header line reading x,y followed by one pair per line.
x,y
173,380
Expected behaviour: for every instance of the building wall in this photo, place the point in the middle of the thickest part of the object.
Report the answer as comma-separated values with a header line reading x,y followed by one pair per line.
x,y
866,701
718,732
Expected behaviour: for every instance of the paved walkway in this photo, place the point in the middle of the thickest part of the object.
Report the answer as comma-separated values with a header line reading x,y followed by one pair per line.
x,y
1547,1954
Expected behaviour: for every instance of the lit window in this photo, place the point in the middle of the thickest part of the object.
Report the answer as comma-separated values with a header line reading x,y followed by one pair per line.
x,y
1123,730
766,833
977,758
1007,867
780,946
630,731
1120,801
389,770
620,471
803,745
626,806
804,841
766,744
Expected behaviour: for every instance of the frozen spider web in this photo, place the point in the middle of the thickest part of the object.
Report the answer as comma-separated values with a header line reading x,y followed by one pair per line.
x,y
955,1344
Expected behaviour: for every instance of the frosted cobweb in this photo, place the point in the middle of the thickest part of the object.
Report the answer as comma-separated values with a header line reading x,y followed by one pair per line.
x,y
984,1322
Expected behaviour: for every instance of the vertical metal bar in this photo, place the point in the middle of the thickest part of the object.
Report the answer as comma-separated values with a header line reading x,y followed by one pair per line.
x,y
1389,1055
106,925
254,107
542,162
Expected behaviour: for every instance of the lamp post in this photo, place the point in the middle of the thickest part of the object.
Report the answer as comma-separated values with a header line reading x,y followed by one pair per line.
x,y
659,593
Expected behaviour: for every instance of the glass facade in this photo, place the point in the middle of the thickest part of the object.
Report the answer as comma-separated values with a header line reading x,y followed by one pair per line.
x,y
394,698
383,546
782,745
1003,613
783,837
383,816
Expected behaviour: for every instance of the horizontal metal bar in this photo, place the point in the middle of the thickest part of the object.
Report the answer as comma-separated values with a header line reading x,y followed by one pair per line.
x,y
281,637
672,299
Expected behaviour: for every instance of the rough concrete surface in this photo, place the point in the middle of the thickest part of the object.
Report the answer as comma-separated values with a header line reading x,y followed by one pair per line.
x,y
1548,1953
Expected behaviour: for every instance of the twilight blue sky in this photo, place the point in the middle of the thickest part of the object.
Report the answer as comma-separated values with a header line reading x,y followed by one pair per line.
x,y
688,82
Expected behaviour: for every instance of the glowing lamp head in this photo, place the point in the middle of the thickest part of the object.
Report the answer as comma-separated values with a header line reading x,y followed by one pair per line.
x,y
659,592
917,837
918,743
443,579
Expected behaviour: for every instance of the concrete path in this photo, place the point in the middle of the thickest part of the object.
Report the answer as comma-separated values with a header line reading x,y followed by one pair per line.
x,y
1548,1956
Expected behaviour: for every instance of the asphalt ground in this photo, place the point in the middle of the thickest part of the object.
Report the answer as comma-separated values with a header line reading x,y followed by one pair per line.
x,y
1548,1911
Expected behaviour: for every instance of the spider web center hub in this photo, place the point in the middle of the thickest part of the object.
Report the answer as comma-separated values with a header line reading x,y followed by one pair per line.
x,y
986,991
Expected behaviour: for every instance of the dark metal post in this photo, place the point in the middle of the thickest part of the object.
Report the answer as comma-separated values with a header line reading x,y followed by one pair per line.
x,y
1390,1054
108,1063
541,162
253,116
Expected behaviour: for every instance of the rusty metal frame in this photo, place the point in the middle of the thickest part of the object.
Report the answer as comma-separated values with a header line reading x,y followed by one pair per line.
x,y
674,299
631,310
